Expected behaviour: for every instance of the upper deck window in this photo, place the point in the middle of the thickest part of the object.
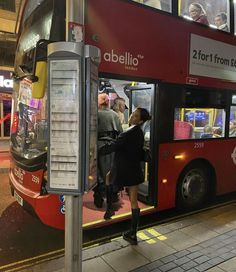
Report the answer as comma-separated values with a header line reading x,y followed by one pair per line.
x,y
164,5
30,7
234,99
234,17
213,13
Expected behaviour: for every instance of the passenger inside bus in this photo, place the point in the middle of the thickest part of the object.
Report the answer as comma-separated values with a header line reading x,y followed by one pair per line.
x,y
198,14
119,108
221,21
109,127
232,128
217,132
208,132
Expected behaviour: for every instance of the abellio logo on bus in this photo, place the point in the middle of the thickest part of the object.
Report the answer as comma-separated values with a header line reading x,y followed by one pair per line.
x,y
127,59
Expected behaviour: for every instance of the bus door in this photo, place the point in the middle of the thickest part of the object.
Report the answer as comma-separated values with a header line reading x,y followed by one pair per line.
x,y
142,95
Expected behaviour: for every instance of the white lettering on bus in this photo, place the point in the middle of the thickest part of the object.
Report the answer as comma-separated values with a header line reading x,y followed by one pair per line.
x,y
199,145
20,174
126,58
35,179
6,83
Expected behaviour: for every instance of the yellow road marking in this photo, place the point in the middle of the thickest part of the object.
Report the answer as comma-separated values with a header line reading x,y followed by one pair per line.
x,y
151,241
116,238
156,234
30,264
33,258
142,236
162,237
145,238
153,232
93,245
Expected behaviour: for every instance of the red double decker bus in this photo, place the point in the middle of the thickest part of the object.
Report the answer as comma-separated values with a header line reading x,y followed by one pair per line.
x,y
155,55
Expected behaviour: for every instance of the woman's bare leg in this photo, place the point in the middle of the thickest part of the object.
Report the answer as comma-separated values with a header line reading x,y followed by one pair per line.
x,y
133,196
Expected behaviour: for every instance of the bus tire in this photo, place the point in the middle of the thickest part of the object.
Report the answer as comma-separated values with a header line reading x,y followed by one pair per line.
x,y
193,186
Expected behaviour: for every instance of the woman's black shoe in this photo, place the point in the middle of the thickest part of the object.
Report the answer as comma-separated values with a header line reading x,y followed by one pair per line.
x,y
98,200
115,197
130,237
108,214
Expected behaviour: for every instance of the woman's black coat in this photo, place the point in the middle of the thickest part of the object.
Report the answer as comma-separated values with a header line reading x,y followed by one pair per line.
x,y
126,168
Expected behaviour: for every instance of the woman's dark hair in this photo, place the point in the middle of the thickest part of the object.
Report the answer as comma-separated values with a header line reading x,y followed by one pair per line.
x,y
144,114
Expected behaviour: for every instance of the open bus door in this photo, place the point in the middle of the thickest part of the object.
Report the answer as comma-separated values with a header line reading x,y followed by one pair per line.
x,y
142,95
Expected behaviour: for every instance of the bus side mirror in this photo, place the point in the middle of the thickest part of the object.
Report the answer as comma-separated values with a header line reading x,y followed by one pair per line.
x,y
39,76
39,86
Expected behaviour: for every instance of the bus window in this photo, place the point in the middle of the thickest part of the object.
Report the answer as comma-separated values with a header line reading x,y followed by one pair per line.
x,y
232,122
164,5
29,138
234,17
141,98
197,123
31,7
5,111
213,13
234,99
37,28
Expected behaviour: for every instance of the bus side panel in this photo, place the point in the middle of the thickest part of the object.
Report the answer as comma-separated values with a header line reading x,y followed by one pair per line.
x,y
49,208
219,153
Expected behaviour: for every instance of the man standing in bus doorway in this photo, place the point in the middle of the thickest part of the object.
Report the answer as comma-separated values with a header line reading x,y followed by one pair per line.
x,y
119,108
109,127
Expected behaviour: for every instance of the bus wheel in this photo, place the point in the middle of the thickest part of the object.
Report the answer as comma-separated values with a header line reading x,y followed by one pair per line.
x,y
193,187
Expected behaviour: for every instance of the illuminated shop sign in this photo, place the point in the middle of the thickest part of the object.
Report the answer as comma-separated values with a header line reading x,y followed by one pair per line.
x,y
6,83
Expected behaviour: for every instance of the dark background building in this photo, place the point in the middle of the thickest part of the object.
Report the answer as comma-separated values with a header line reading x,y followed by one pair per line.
x,y
9,14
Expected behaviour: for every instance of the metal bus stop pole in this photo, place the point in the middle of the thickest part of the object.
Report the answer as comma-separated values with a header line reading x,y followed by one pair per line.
x,y
73,204
72,92
73,233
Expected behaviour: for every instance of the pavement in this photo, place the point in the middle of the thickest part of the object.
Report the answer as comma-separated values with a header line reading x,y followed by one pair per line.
x,y
4,161
204,241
